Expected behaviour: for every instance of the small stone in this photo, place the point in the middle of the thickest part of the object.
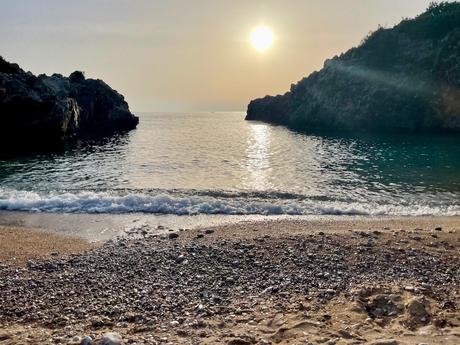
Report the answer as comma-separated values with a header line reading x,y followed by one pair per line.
x,y
209,231
438,228
426,286
76,340
97,322
4,337
111,339
182,333
173,235
86,340
416,308
345,334
448,305
199,236
180,259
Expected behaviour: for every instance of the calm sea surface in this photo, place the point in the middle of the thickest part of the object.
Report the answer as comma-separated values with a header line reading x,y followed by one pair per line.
x,y
217,163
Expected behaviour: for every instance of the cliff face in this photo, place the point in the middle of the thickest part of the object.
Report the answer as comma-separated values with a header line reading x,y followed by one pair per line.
x,y
406,78
46,111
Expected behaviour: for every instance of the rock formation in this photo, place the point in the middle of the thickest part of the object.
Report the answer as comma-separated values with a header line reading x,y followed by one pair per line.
x,y
406,78
44,112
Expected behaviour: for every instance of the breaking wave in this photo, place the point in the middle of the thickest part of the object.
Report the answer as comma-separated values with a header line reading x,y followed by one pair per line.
x,y
208,202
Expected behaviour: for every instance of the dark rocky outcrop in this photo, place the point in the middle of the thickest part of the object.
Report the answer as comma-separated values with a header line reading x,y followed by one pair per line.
x,y
44,112
406,78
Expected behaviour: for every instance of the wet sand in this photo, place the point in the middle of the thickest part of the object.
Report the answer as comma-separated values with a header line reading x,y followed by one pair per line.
x,y
323,281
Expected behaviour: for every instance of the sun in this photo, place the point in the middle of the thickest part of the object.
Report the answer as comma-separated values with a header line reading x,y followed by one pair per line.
x,y
261,38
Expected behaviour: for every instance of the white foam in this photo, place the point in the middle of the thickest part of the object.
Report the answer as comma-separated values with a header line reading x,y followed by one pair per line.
x,y
164,203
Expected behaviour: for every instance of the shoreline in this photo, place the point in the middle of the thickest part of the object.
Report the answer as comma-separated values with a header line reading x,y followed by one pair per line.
x,y
324,281
102,227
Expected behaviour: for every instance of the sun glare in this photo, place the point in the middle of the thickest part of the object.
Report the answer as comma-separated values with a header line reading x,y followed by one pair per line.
x,y
261,38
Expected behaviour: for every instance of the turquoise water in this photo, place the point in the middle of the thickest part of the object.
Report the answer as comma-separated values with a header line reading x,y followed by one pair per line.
x,y
217,163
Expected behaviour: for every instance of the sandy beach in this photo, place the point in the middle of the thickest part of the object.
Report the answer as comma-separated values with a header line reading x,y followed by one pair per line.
x,y
350,281
18,245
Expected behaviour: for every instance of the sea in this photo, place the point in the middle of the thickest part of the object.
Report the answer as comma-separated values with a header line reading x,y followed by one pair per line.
x,y
216,163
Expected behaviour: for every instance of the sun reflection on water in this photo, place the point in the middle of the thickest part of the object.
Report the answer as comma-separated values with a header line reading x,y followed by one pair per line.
x,y
258,158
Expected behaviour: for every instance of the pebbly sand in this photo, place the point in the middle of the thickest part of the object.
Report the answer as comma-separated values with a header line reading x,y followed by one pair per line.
x,y
324,281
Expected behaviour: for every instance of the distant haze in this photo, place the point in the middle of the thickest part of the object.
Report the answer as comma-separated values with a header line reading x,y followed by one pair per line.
x,y
189,55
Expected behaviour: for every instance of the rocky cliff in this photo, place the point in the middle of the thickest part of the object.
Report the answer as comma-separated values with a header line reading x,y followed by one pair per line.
x,y
46,111
405,78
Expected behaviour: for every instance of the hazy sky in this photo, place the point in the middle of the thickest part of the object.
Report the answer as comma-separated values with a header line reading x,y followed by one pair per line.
x,y
179,55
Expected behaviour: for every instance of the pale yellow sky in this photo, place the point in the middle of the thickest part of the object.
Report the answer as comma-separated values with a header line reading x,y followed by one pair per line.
x,y
189,55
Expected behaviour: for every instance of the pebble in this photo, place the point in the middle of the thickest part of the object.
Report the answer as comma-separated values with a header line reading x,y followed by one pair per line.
x,y
111,339
142,279
180,259
416,308
87,340
76,340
